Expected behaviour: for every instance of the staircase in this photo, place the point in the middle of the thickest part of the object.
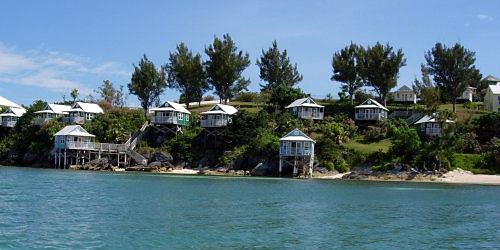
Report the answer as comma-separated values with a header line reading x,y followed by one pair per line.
x,y
132,143
413,118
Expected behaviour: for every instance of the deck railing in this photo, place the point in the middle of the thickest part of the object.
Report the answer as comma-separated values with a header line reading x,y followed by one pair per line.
x,y
294,151
433,131
164,119
311,115
9,124
40,121
212,123
74,119
368,116
96,146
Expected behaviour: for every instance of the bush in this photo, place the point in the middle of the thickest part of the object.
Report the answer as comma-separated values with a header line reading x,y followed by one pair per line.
x,y
208,98
247,97
341,166
374,133
467,143
405,144
487,126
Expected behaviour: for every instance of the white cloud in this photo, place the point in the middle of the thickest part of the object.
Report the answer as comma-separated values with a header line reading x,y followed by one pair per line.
x,y
12,63
53,70
484,17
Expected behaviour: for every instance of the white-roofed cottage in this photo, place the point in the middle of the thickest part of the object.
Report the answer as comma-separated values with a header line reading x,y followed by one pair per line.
x,y
404,95
11,116
429,126
306,108
296,154
217,116
83,111
50,112
370,110
492,98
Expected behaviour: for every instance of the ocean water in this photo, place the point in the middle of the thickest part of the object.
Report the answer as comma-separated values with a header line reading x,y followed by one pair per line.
x,y
45,208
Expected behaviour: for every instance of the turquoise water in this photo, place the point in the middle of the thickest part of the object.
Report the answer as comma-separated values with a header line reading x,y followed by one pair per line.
x,y
44,208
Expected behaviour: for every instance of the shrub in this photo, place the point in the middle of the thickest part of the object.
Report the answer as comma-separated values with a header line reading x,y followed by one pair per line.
x,y
341,166
247,97
405,144
487,126
374,133
208,98
467,143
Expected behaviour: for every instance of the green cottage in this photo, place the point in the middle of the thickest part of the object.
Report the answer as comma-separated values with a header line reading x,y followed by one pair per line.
x,y
370,110
428,126
306,108
171,115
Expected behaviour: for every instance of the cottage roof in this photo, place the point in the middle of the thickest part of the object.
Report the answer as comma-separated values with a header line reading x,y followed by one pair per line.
x,y
370,103
430,118
404,89
304,102
491,78
221,109
87,107
495,89
17,112
296,135
74,130
8,103
171,106
55,108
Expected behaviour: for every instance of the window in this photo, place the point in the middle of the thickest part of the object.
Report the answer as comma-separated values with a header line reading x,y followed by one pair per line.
x,y
179,116
187,117
306,146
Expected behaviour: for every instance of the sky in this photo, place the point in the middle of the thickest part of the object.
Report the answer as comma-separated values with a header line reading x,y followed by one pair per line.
x,y
49,47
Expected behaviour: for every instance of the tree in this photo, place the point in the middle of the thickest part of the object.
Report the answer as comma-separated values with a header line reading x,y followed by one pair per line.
x,y
224,67
346,69
380,68
110,94
186,74
275,68
429,93
147,83
74,94
452,69
283,94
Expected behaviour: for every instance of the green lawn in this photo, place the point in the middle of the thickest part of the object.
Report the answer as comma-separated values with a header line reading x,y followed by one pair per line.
x,y
360,145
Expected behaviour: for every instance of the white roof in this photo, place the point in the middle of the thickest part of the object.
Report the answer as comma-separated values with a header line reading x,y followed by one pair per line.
x,y
171,106
221,109
404,89
8,103
370,103
491,78
18,112
87,107
306,102
74,130
296,135
495,89
430,118
55,108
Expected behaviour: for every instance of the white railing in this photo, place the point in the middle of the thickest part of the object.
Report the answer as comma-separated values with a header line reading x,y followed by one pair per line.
x,y
294,151
310,115
368,116
164,119
40,121
109,147
211,123
9,124
433,131
74,119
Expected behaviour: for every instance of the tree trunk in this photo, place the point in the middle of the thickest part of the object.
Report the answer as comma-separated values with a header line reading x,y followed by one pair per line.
x,y
454,103
351,97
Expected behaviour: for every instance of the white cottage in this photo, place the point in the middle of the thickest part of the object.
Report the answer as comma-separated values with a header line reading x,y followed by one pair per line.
x,y
11,116
306,108
296,154
51,111
82,111
467,94
492,98
73,137
405,95
370,110
217,116
429,126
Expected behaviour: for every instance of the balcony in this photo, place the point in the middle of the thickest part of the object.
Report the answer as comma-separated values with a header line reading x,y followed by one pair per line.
x,y
211,123
311,115
294,151
164,120
94,146
40,121
9,124
368,116
74,120
433,131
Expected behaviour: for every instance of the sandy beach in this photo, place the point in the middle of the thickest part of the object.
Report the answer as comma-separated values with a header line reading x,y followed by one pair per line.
x,y
457,176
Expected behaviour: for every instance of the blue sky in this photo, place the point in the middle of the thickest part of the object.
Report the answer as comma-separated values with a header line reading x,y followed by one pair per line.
x,y
49,47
